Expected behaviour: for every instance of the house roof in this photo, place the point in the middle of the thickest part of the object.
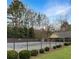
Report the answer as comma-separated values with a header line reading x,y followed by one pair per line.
x,y
61,35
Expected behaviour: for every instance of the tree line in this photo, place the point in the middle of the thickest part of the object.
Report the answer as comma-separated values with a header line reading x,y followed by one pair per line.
x,y
22,21
20,32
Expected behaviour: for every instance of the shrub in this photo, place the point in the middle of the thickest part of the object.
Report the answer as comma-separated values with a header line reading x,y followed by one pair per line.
x,y
34,52
41,51
54,47
12,54
70,43
47,49
58,46
67,44
24,54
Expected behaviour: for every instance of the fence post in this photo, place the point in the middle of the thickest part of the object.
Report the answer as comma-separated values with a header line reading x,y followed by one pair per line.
x,y
46,42
50,43
27,43
41,44
55,42
63,41
14,44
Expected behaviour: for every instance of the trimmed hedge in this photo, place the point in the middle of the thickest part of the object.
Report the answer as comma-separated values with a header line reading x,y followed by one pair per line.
x,y
34,52
12,54
67,44
46,48
58,46
24,54
41,51
54,47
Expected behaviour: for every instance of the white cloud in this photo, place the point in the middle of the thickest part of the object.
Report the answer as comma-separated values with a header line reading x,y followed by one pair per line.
x,y
57,10
63,11
53,11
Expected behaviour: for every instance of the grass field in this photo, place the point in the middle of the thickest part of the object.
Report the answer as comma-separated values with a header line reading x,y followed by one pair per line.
x,y
61,53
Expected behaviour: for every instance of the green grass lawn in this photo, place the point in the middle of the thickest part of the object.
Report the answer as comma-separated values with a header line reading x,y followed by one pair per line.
x,y
61,53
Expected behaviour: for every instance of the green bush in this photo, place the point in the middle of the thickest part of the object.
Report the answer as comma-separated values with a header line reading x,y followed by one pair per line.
x,y
34,52
12,54
54,47
70,43
67,44
46,48
24,54
58,46
41,51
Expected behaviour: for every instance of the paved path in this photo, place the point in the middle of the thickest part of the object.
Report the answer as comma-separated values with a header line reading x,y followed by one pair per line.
x,y
31,45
